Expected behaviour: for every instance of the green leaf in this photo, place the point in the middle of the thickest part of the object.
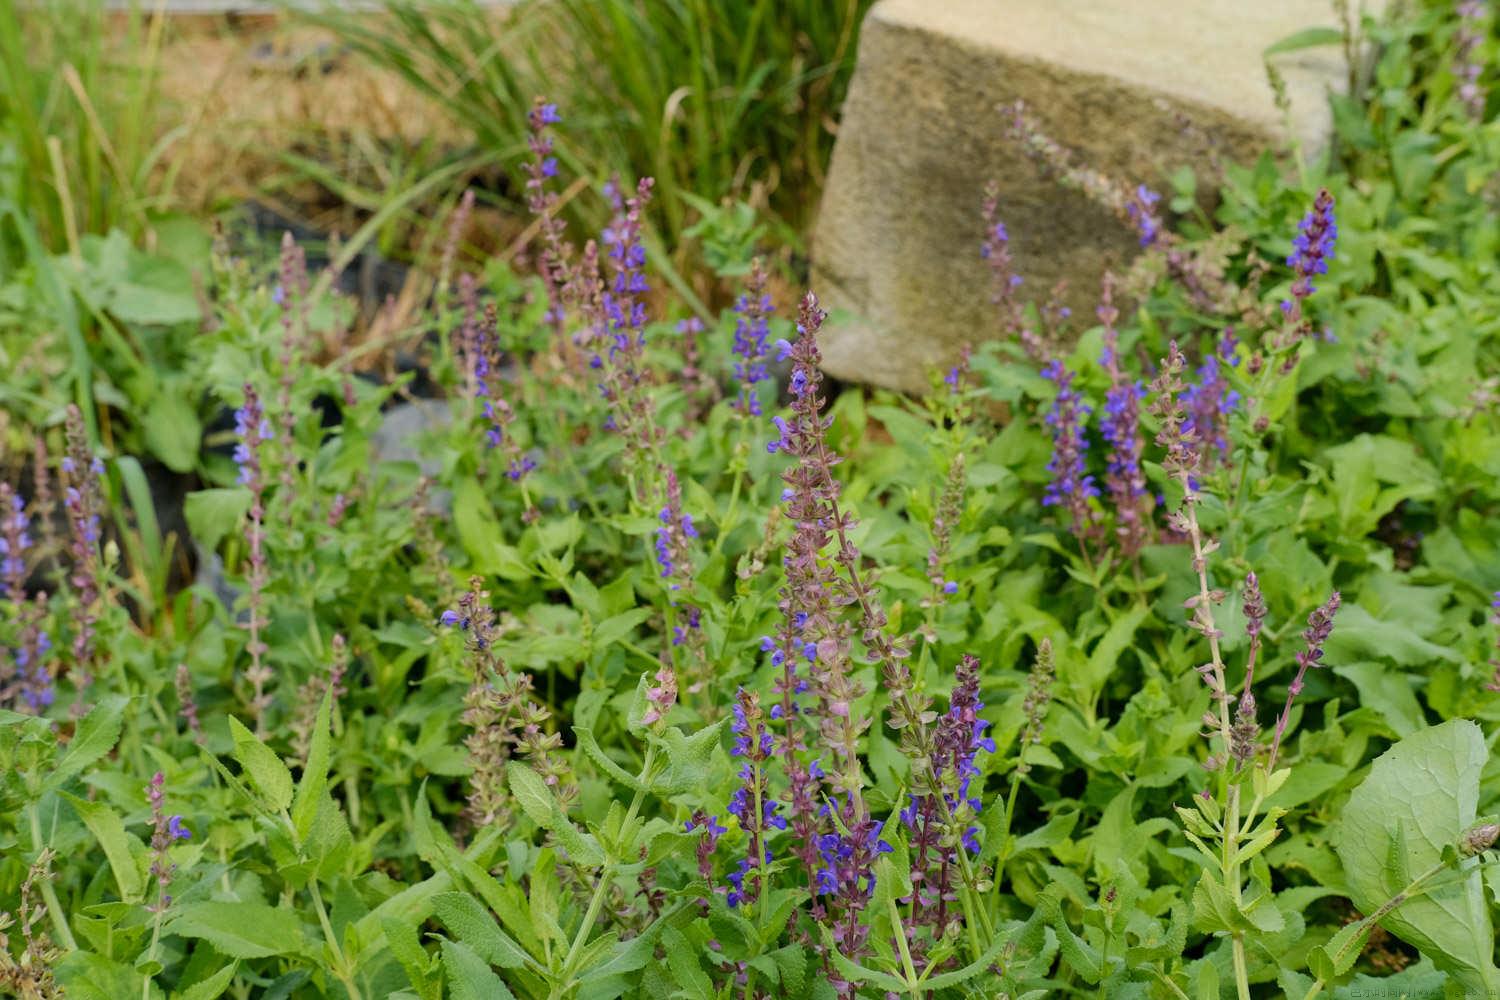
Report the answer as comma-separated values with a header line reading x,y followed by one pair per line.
x,y
241,929
315,774
613,629
265,770
531,792
1307,38
473,925
213,514
1424,789
469,978
173,433
401,937
597,754
95,736
688,758
683,961
212,987
107,827
1102,660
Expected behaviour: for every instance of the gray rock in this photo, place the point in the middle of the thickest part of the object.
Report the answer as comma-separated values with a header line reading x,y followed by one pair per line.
x,y
895,251
397,439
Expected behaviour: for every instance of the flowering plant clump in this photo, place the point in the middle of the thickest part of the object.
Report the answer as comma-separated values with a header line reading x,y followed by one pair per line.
x,y
616,652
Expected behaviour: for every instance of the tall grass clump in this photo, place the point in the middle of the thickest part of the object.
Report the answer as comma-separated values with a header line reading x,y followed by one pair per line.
x,y
718,101
81,149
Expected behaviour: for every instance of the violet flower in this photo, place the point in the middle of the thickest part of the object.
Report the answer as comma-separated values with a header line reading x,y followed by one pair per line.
x,y
1004,281
1181,460
1494,683
1071,487
1319,627
942,818
32,679
1468,62
674,536
1312,249
293,351
1120,426
15,540
542,201
1140,208
1245,732
503,717
254,430
846,876
752,327
814,594
751,803
619,345
1210,401
165,831
82,501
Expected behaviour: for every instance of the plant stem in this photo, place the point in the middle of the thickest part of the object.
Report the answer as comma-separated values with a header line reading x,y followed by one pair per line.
x,y
906,962
596,902
342,970
49,895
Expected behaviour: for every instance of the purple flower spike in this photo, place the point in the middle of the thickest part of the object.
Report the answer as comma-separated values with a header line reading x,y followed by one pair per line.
x,y
1071,486
751,329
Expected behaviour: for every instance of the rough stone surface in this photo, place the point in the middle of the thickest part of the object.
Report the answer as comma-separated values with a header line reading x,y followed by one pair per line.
x,y
895,252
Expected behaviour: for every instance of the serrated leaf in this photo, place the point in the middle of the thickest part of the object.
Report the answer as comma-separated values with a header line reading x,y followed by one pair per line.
x,y
475,927
1424,789
988,958
212,987
265,770
240,929
95,736
688,758
469,978
531,792
683,962
401,938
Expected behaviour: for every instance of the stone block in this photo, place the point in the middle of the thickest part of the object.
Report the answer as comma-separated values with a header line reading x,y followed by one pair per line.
x,y
895,248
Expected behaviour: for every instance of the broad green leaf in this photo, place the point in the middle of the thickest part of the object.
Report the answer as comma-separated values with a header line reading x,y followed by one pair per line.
x,y
469,977
172,430
613,629
241,929
213,514
95,736
265,770
1424,789
315,774
683,961
107,827
688,758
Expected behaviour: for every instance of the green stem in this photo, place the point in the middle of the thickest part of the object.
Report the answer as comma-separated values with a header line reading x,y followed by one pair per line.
x,y
49,895
596,902
342,970
906,962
